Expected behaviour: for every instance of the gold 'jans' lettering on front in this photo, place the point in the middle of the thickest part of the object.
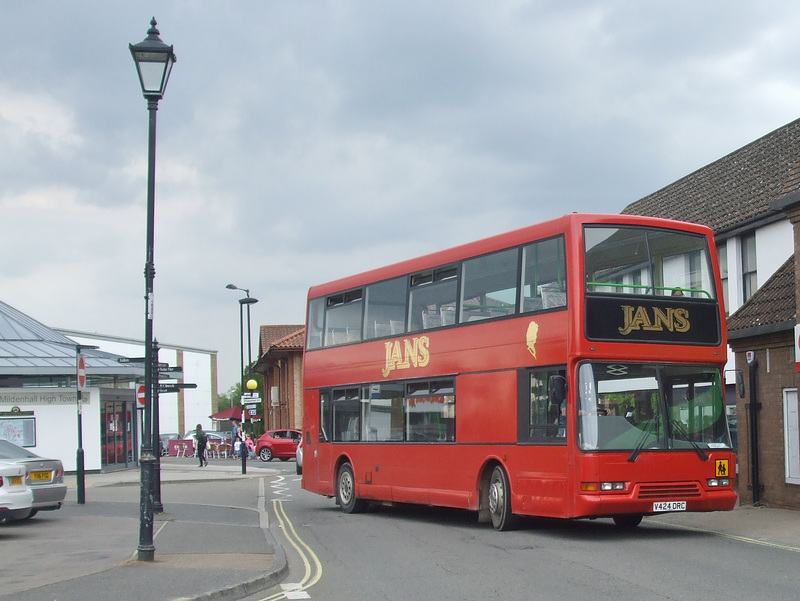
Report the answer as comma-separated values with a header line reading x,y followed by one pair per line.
x,y
655,320
406,354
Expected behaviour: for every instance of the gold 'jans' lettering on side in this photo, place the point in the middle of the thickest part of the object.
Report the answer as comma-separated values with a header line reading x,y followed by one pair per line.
x,y
406,353
639,318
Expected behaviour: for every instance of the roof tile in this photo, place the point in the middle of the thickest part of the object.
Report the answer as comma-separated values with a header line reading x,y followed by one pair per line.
x,y
735,189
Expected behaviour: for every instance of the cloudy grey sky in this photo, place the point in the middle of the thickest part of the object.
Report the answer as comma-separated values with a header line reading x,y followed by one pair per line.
x,y
300,141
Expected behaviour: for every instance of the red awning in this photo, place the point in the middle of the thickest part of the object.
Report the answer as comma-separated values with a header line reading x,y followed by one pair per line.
x,y
231,413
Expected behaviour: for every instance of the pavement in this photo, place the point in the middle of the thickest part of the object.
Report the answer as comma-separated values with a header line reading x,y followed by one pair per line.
x,y
212,550
211,543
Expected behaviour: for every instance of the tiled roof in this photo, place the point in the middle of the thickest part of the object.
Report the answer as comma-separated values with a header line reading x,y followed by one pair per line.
x,y
286,337
735,189
772,306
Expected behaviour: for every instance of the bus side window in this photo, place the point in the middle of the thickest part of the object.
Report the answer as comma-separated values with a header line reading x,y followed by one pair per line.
x,y
542,395
544,271
325,404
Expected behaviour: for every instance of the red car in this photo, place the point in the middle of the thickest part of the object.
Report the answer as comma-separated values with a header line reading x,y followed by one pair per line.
x,y
277,443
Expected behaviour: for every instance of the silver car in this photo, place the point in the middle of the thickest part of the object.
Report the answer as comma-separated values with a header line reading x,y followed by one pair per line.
x,y
45,477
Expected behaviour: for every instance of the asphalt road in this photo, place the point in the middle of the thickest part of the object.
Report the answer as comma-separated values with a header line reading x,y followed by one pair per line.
x,y
408,552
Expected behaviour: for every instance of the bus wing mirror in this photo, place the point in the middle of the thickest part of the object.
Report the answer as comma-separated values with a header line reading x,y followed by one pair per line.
x,y
557,389
739,381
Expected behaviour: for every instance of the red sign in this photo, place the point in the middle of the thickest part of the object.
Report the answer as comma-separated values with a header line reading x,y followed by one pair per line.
x,y
81,373
140,395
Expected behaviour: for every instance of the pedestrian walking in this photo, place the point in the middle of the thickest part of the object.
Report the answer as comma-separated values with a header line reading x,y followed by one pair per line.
x,y
202,440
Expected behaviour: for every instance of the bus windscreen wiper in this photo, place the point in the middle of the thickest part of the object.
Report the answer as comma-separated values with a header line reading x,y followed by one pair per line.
x,y
642,438
678,426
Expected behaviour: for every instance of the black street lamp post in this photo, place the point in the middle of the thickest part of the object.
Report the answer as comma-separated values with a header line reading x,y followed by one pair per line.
x,y
247,300
154,60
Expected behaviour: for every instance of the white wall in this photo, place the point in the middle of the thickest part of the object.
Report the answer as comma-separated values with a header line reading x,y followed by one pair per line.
x,y
56,414
774,244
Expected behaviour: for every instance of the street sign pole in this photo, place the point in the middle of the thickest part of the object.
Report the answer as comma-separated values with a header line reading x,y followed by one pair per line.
x,y
80,473
158,507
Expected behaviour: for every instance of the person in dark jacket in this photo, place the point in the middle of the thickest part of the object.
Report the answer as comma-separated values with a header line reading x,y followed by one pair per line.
x,y
202,440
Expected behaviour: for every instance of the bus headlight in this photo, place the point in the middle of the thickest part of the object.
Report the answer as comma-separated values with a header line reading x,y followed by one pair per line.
x,y
604,486
717,482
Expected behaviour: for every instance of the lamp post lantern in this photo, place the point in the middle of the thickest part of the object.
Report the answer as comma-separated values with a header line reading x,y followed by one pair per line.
x,y
247,300
154,60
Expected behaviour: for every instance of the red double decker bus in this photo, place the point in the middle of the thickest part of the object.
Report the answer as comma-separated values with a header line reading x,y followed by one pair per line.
x,y
571,369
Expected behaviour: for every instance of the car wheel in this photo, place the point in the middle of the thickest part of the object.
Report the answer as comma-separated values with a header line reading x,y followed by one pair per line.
x,y
299,470
265,454
346,491
31,514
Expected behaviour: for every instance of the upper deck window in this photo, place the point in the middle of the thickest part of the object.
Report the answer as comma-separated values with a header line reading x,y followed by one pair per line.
x,y
386,309
343,318
647,261
489,286
433,298
315,323
544,275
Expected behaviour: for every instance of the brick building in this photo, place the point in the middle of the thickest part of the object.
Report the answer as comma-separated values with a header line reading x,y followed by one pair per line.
x,y
280,362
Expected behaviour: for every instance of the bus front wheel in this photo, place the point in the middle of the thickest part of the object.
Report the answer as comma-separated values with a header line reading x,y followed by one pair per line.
x,y
346,491
628,520
500,500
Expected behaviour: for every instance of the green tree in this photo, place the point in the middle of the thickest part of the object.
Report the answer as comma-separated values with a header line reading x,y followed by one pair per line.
x,y
232,398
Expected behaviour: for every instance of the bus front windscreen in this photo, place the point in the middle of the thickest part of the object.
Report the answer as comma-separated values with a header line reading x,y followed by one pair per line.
x,y
642,407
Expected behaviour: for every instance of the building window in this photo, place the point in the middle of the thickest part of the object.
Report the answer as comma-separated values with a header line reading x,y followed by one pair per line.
x,y
749,270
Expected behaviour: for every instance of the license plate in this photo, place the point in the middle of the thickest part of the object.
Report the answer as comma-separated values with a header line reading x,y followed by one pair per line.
x,y
40,476
669,506
16,480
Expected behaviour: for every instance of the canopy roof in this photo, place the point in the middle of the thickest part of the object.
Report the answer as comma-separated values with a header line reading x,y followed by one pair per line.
x,y
28,347
230,413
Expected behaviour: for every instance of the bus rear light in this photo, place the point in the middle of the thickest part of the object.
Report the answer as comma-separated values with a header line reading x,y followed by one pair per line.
x,y
718,482
588,486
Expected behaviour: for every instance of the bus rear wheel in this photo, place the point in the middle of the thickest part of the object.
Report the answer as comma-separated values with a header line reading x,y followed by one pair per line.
x,y
500,501
628,520
346,491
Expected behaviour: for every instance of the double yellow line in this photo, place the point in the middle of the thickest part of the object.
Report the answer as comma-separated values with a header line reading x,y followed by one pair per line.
x,y
312,564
